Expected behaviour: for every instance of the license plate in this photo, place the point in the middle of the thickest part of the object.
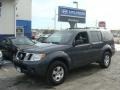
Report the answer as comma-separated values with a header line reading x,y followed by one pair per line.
x,y
18,69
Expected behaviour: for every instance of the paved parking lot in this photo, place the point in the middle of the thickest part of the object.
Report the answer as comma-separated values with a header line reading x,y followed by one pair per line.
x,y
91,77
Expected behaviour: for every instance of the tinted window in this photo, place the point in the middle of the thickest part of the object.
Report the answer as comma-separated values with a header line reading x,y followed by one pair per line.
x,y
82,37
3,41
8,42
59,38
22,41
107,35
99,36
95,36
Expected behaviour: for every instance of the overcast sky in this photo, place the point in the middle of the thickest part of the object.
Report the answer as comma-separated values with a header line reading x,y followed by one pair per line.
x,y
43,12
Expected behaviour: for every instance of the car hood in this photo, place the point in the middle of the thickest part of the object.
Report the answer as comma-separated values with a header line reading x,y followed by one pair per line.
x,y
45,47
27,46
24,46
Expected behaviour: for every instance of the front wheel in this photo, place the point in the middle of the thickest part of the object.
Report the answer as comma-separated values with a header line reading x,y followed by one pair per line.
x,y
106,60
56,73
1,62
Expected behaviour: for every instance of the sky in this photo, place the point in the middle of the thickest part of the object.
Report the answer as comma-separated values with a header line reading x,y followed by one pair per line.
x,y
44,11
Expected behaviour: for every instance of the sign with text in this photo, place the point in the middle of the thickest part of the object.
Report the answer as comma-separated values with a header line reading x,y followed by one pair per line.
x,y
68,14
102,24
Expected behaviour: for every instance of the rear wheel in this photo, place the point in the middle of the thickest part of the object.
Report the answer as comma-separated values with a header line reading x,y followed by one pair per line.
x,y
56,73
106,60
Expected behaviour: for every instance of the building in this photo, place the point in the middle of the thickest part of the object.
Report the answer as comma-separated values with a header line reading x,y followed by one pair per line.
x,y
7,18
23,17
15,18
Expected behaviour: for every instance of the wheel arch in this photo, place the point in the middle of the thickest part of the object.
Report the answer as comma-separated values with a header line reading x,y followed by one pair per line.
x,y
61,59
107,48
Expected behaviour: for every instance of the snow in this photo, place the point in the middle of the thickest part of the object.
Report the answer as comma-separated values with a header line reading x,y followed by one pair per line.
x,y
117,47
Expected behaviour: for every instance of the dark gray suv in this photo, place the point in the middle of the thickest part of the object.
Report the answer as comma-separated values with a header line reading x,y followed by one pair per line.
x,y
66,50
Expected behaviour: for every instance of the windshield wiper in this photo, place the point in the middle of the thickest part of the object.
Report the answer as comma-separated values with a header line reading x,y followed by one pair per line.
x,y
55,42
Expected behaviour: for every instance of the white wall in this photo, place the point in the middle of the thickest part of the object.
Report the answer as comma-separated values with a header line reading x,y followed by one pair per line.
x,y
7,18
24,9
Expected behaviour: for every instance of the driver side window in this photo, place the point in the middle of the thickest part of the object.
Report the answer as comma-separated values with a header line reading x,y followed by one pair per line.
x,y
3,41
81,38
6,42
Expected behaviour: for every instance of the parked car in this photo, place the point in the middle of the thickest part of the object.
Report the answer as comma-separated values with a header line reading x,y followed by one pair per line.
x,y
1,59
43,38
117,40
66,50
11,45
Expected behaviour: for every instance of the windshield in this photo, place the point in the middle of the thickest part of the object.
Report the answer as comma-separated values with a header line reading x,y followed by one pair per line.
x,y
22,41
59,38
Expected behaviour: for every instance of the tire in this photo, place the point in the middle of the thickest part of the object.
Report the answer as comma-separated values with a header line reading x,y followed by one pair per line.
x,y
1,62
13,57
56,74
106,60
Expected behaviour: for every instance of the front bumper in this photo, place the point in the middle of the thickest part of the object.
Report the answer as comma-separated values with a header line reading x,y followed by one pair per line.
x,y
31,67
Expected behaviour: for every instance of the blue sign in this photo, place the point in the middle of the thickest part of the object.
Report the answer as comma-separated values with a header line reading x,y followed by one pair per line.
x,y
68,14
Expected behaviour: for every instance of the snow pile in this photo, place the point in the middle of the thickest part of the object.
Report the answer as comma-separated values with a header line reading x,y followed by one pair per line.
x,y
117,47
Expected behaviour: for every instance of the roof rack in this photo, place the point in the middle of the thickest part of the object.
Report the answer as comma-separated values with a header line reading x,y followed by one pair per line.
x,y
86,28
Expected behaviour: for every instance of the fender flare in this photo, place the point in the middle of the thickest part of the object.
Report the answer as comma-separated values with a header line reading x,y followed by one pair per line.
x,y
59,54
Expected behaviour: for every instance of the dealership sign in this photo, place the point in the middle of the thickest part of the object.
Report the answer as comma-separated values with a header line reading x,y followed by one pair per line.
x,y
102,24
67,14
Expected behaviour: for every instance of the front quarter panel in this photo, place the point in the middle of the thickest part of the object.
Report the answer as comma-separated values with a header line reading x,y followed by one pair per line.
x,y
59,54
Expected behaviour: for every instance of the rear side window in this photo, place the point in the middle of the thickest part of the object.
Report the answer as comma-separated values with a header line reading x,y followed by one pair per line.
x,y
95,36
6,42
107,36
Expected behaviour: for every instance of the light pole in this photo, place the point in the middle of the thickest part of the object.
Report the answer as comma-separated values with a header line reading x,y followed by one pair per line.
x,y
75,2
55,20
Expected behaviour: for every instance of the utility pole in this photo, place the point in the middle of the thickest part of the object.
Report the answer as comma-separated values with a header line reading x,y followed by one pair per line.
x,y
55,20
96,23
75,2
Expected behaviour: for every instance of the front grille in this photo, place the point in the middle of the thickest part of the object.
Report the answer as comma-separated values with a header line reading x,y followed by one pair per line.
x,y
24,56
21,55
29,56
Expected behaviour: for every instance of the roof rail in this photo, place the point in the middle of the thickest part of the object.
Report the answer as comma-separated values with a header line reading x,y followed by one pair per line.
x,y
86,28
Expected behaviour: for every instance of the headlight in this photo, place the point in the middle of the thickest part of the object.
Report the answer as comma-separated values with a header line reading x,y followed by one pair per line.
x,y
0,54
37,57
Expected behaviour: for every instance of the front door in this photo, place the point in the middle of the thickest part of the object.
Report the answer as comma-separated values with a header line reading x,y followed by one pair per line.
x,y
81,50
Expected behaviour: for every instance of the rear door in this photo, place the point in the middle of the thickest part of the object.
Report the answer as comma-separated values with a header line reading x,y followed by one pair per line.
x,y
96,45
